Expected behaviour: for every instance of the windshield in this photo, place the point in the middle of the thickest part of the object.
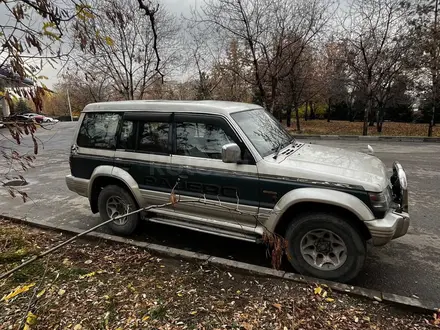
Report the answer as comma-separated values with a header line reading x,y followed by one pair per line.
x,y
263,130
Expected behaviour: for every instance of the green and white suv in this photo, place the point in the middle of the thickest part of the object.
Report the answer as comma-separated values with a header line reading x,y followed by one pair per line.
x,y
245,174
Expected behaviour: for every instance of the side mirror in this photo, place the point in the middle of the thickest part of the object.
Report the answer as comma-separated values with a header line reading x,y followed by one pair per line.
x,y
231,153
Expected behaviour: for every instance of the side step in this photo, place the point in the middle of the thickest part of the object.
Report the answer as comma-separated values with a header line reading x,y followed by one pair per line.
x,y
204,229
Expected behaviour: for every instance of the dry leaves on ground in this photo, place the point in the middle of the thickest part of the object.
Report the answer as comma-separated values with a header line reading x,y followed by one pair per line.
x,y
125,287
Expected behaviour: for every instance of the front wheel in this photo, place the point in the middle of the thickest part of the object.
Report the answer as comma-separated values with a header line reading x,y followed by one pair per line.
x,y
325,246
114,201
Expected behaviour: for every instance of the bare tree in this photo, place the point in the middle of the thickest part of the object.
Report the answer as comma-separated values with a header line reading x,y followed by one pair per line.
x,y
375,45
123,47
268,29
203,53
425,24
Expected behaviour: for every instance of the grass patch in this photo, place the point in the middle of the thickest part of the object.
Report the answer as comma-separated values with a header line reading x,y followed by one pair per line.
x,y
27,273
336,127
13,245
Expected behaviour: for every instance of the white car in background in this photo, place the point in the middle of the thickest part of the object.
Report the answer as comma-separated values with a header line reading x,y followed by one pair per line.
x,y
50,120
40,118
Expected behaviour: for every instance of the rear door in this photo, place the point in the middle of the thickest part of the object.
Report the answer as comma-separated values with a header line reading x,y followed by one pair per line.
x,y
144,149
95,144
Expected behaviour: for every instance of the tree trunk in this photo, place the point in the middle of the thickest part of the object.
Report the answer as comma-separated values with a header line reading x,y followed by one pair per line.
x,y
379,119
434,71
306,111
367,113
329,109
289,117
372,118
350,114
312,111
298,127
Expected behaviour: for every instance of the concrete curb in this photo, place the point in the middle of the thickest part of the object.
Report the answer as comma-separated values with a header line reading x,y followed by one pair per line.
x,y
400,301
368,138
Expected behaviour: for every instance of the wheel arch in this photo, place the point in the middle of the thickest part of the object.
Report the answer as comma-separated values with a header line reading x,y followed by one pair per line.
x,y
106,175
306,207
320,200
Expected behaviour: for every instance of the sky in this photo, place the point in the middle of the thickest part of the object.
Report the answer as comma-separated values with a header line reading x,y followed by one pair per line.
x,y
177,7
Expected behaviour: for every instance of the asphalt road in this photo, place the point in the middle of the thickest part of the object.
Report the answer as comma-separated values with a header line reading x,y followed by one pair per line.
x,y
408,266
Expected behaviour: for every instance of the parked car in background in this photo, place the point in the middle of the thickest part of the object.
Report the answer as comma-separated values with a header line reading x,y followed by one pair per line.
x,y
33,116
49,120
40,118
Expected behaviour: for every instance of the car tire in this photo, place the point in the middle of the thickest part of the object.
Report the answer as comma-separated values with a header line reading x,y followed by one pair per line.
x,y
113,201
325,246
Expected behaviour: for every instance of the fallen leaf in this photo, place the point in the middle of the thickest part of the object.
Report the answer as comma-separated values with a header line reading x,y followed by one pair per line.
x,y
17,291
77,327
61,292
109,41
193,312
145,318
356,319
277,306
88,262
247,326
366,318
324,294
377,298
39,294
31,318
87,275
329,300
318,290
173,199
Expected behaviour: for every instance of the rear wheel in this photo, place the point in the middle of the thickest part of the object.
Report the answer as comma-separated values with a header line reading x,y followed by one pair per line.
x,y
114,201
325,246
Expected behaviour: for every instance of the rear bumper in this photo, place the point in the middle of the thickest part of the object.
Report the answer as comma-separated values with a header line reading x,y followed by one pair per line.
x,y
393,225
77,185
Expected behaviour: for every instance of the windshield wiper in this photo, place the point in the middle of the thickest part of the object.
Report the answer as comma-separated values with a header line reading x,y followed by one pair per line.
x,y
280,146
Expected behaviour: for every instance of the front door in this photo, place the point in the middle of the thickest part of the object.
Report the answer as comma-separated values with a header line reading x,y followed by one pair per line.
x,y
225,192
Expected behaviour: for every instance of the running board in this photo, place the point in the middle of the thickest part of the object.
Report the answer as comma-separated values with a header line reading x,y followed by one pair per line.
x,y
216,224
204,229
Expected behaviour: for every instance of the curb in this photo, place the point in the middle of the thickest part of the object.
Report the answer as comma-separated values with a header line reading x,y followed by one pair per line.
x,y
368,138
390,298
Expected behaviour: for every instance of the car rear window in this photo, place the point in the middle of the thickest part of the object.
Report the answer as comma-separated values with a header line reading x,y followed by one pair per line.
x,y
98,130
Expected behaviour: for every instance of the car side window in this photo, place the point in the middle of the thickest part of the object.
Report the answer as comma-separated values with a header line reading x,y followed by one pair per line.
x,y
203,140
98,130
126,138
154,137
